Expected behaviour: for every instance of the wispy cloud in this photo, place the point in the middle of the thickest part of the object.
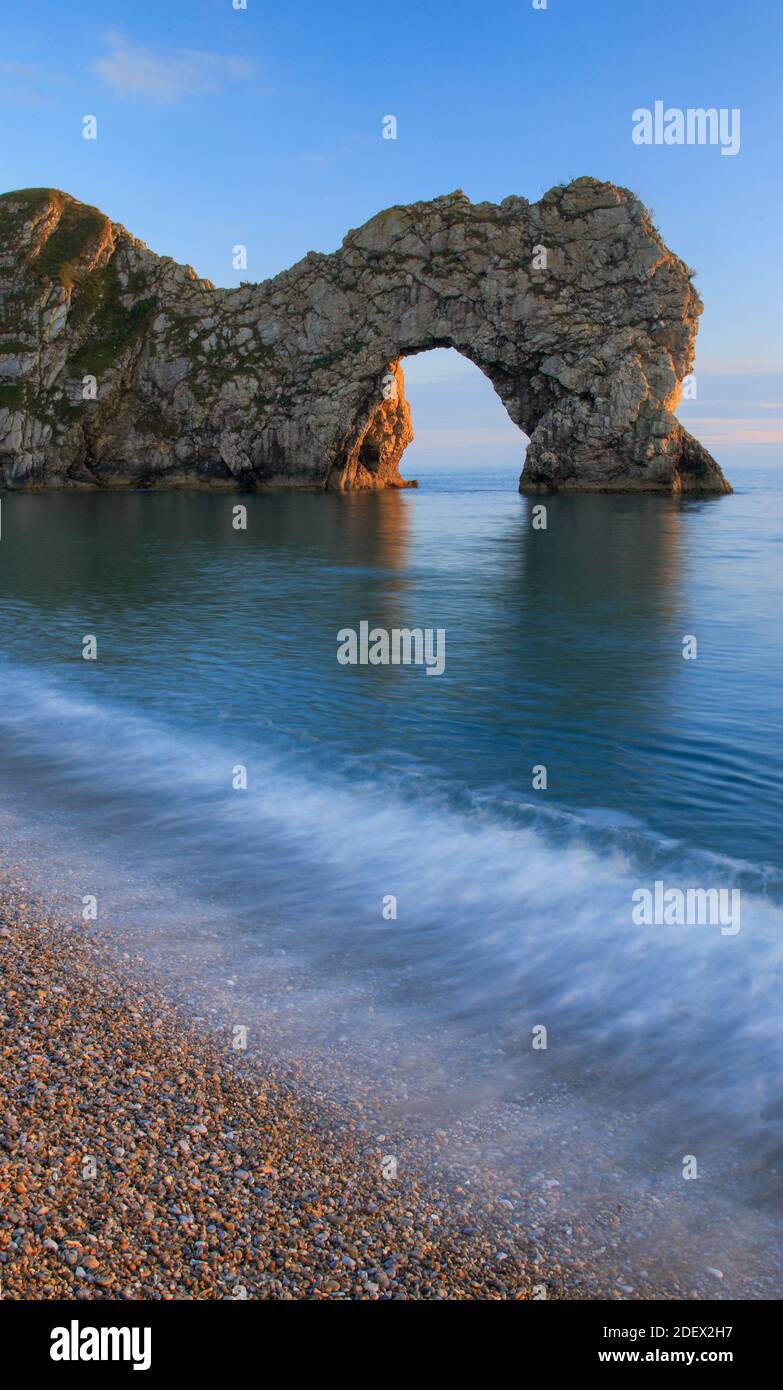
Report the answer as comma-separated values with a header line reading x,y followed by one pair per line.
x,y
30,82
153,74
439,367
740,369
735,430
496,437
27,72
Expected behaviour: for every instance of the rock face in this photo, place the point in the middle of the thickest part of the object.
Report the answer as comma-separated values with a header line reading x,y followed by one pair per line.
x,y
120,368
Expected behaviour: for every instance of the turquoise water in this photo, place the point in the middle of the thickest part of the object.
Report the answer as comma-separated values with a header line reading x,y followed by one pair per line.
x,y
217,647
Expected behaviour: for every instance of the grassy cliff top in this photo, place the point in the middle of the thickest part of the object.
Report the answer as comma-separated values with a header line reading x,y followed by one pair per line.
x,y
75,231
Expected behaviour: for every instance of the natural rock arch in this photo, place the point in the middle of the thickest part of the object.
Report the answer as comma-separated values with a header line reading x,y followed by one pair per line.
x,y
573,308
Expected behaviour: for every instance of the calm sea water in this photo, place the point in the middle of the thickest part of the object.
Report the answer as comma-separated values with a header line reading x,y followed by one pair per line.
x,y
217,647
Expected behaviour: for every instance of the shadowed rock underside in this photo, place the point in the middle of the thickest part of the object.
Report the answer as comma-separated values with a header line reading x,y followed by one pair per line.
x,y
297,382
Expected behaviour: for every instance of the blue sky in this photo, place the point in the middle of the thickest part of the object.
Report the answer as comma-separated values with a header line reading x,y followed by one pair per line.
x,y
263,126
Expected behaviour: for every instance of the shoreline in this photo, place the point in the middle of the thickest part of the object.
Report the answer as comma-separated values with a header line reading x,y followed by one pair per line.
x,y
138,1159
142,1157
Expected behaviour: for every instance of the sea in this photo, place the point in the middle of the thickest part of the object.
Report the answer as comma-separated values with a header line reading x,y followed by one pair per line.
x,y
443,865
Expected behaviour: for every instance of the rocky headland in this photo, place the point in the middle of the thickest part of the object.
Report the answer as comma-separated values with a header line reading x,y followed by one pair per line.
x,y
122,368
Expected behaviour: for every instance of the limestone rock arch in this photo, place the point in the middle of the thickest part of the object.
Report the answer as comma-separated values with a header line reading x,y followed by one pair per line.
x,y
573,307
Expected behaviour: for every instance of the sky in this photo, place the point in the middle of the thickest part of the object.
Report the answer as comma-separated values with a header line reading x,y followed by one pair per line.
x,y
263,126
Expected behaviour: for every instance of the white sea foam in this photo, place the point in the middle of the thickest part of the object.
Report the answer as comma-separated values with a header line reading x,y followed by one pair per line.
x,y
502,923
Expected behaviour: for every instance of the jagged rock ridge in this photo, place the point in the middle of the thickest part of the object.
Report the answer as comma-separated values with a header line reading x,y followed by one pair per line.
x,y
297,383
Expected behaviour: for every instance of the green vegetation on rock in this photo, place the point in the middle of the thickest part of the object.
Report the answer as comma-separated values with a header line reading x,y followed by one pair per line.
x,y
11,395
113,327
77,235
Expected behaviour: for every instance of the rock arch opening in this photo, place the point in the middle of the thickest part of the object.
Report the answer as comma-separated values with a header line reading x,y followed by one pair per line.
x,y
459,420
435,400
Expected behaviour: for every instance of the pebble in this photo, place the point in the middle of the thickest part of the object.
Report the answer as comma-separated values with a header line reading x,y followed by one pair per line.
x,y
279,1200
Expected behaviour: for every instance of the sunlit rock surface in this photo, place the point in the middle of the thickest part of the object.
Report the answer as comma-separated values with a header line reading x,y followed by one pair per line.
x,y
574,308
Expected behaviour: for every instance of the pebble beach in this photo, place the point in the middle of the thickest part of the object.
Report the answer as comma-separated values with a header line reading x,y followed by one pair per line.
x,y
138,1160
142,1157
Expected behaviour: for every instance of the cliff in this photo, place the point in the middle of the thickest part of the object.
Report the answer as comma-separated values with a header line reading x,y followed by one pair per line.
x,y
121,368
